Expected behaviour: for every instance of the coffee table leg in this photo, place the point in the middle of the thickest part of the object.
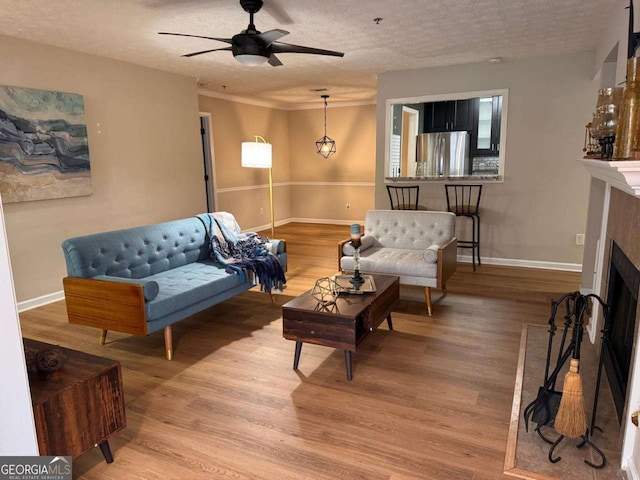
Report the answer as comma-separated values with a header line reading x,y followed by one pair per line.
x,y
296,357
389,322
347,362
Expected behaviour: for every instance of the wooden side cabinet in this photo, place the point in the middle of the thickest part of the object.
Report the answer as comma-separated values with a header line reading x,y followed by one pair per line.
x,y
79,406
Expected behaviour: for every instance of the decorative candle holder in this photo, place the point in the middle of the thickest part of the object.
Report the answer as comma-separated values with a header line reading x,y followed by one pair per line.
x,y
357,281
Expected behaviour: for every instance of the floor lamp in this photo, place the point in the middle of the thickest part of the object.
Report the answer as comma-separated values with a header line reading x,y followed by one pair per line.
x,y
258,155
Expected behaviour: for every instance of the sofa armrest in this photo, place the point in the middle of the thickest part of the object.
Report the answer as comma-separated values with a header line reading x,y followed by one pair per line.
x,y
106,304
447,261
279,245
150,288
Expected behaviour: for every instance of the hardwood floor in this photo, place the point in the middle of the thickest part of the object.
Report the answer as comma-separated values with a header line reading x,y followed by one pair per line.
x,y
429,400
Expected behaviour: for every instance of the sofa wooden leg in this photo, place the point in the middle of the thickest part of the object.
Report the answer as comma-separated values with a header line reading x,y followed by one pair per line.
x,y
103,337
168,342
444,290
427,297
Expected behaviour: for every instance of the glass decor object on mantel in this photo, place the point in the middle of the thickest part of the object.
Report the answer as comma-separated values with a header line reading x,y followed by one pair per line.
x,y
627,132
604,123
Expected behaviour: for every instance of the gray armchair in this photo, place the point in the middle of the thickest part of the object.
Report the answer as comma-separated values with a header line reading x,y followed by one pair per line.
x,y
420,247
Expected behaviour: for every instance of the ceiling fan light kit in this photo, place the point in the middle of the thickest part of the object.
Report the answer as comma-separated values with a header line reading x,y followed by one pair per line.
x,y
251,60
252,47
326,146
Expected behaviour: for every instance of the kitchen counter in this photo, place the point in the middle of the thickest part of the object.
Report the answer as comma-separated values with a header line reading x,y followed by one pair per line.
x,y
464,178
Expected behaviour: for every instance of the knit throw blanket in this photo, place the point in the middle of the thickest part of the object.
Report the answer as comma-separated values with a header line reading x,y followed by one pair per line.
x,y
245,256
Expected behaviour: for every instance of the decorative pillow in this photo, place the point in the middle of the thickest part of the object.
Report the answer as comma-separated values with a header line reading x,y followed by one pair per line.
x,y
430,255
151,290
365,242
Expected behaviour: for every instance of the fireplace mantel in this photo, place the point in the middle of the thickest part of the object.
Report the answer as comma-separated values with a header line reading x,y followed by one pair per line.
x,y
623,175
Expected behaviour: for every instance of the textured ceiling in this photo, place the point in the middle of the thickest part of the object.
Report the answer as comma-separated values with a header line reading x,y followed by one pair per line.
x,y
413,34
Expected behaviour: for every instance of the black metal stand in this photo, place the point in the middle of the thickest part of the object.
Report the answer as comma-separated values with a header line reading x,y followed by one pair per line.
x,y
543,409
585,441
604,344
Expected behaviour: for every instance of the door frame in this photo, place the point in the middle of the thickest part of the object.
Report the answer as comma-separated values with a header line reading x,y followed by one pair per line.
x,y
208,158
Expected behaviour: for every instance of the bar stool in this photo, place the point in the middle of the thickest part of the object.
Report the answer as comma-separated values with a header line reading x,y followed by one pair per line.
x,y
403,198
464,201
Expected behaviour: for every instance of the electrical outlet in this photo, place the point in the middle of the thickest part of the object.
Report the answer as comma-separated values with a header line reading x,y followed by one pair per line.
x,y
579,238
348,205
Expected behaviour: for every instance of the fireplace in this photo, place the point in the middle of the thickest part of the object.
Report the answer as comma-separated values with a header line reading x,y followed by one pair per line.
x,y
622,298
614,216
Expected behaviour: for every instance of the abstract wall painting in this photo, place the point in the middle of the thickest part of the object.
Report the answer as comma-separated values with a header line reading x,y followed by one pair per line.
x,y
44,151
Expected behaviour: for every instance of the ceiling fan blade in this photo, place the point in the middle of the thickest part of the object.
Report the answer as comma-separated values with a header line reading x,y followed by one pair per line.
x,y
274,61
278,47
225,40
278,13
272,35
206,51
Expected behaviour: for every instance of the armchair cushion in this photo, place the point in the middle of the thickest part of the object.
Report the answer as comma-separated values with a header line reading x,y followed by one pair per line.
x,y
393,261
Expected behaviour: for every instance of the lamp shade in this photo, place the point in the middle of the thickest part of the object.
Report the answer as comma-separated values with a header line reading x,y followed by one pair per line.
x,y
256,155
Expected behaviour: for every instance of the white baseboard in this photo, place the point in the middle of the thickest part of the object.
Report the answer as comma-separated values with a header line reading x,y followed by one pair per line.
x,y
266,226
329,221
40,301
513,262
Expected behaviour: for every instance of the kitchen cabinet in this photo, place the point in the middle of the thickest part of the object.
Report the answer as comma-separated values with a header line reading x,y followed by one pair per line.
x,y
485,133
448,116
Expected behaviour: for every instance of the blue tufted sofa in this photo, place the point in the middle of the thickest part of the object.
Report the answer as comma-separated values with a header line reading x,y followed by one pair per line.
x,y
140,280
416,245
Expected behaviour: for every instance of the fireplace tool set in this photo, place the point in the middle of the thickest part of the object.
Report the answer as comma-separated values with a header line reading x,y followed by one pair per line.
x,y
564,411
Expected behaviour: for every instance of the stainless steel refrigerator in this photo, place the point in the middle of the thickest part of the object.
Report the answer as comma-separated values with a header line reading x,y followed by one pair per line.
x,y
442,154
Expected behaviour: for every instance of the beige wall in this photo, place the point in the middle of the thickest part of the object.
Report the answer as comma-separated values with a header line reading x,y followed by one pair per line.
x,y
244,191
307,187
146,161
322,187
536,212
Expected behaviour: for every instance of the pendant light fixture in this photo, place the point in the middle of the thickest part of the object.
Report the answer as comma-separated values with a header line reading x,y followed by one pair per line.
x,y
326,146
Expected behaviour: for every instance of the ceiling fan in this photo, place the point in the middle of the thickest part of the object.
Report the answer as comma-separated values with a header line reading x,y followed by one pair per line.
x,y
251,47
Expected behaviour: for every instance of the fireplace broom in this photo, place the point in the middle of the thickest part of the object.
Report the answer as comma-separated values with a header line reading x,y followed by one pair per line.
x,y
571,420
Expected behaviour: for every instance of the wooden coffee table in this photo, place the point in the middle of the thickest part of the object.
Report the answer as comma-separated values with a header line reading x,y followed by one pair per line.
x,y
357,316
